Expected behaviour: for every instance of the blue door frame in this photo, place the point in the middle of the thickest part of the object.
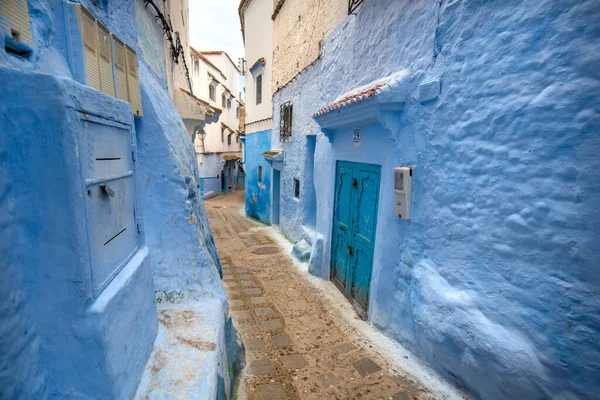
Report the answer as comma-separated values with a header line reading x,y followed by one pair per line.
x,y
353,233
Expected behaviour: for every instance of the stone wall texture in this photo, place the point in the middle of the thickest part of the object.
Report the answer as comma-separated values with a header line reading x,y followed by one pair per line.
x,y
494,281
298,30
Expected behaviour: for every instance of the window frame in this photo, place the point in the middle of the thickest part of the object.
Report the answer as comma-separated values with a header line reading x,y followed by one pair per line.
x,y
297,188
260,174
212,92
258,88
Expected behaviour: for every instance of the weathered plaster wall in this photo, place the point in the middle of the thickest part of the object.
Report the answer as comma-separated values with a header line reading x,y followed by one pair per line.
x,y
58,339
494,280
150,40
82,340
258,43
298,30
258,201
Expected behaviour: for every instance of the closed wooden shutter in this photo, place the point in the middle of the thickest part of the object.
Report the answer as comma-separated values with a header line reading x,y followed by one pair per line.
x,y
120,69
133,85
107,81
90,42
14,17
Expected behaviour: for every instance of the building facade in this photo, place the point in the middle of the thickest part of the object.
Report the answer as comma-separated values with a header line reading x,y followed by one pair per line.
x,y
100,200
257,31
215,79
438,161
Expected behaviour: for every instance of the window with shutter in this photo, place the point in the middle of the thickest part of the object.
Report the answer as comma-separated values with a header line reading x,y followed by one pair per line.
x,y
133,84
107,81
120,69
259,89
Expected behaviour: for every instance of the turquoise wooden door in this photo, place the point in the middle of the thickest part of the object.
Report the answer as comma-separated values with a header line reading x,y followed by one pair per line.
x,y
354,225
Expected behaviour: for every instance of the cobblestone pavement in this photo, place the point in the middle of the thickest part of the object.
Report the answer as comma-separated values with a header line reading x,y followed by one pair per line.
x,y
294,348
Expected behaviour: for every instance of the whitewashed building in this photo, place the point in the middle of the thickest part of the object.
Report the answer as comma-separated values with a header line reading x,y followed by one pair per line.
x,y
257,31
215,81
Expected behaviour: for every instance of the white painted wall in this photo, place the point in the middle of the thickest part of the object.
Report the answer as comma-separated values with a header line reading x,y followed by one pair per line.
x,y
204,69
258,34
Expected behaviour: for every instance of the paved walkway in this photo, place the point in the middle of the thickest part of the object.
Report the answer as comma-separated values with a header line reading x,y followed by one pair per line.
x,y
294,348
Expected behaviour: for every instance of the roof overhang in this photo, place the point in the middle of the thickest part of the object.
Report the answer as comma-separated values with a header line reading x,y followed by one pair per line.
x,y
192,108
366,104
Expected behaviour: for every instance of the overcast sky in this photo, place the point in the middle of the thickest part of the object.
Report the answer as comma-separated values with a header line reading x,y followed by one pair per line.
x,y
215,25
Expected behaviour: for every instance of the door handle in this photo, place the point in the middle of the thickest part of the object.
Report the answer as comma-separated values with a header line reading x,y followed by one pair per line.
x,y
107,190
342,228
350,251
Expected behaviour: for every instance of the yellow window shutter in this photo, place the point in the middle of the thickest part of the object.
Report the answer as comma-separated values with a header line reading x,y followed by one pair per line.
x,y
90,41
107,82
133,85
14,18
120,69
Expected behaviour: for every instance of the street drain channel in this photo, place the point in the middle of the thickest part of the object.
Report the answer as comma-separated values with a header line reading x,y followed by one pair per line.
x,y
266,250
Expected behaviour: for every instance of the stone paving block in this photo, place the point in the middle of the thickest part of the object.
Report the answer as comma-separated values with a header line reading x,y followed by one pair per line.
x,y
231,284
258,300
237,303
245,277
249,283
366,366
247,328
251,291
254,344
233,293
262,367
273,325
327,380
267,250
272,391
241,270
401,396
241,315
293,361
264,311
342,349
281,341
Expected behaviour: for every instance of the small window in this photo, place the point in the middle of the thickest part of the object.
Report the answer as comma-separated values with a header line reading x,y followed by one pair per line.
x,y
259,89
296,188
260,173
229,103
237,112
223,134
229,140
212,92
237,138
224,100
285,121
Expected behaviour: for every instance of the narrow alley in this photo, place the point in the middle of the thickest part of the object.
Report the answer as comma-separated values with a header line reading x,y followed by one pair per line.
x,y
294,346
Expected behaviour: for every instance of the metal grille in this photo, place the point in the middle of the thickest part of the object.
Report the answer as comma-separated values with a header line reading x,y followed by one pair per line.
x,y
285,122
353,5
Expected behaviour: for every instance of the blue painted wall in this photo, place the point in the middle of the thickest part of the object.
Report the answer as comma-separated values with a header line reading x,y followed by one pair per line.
x,y
494,281
258,199
59,338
